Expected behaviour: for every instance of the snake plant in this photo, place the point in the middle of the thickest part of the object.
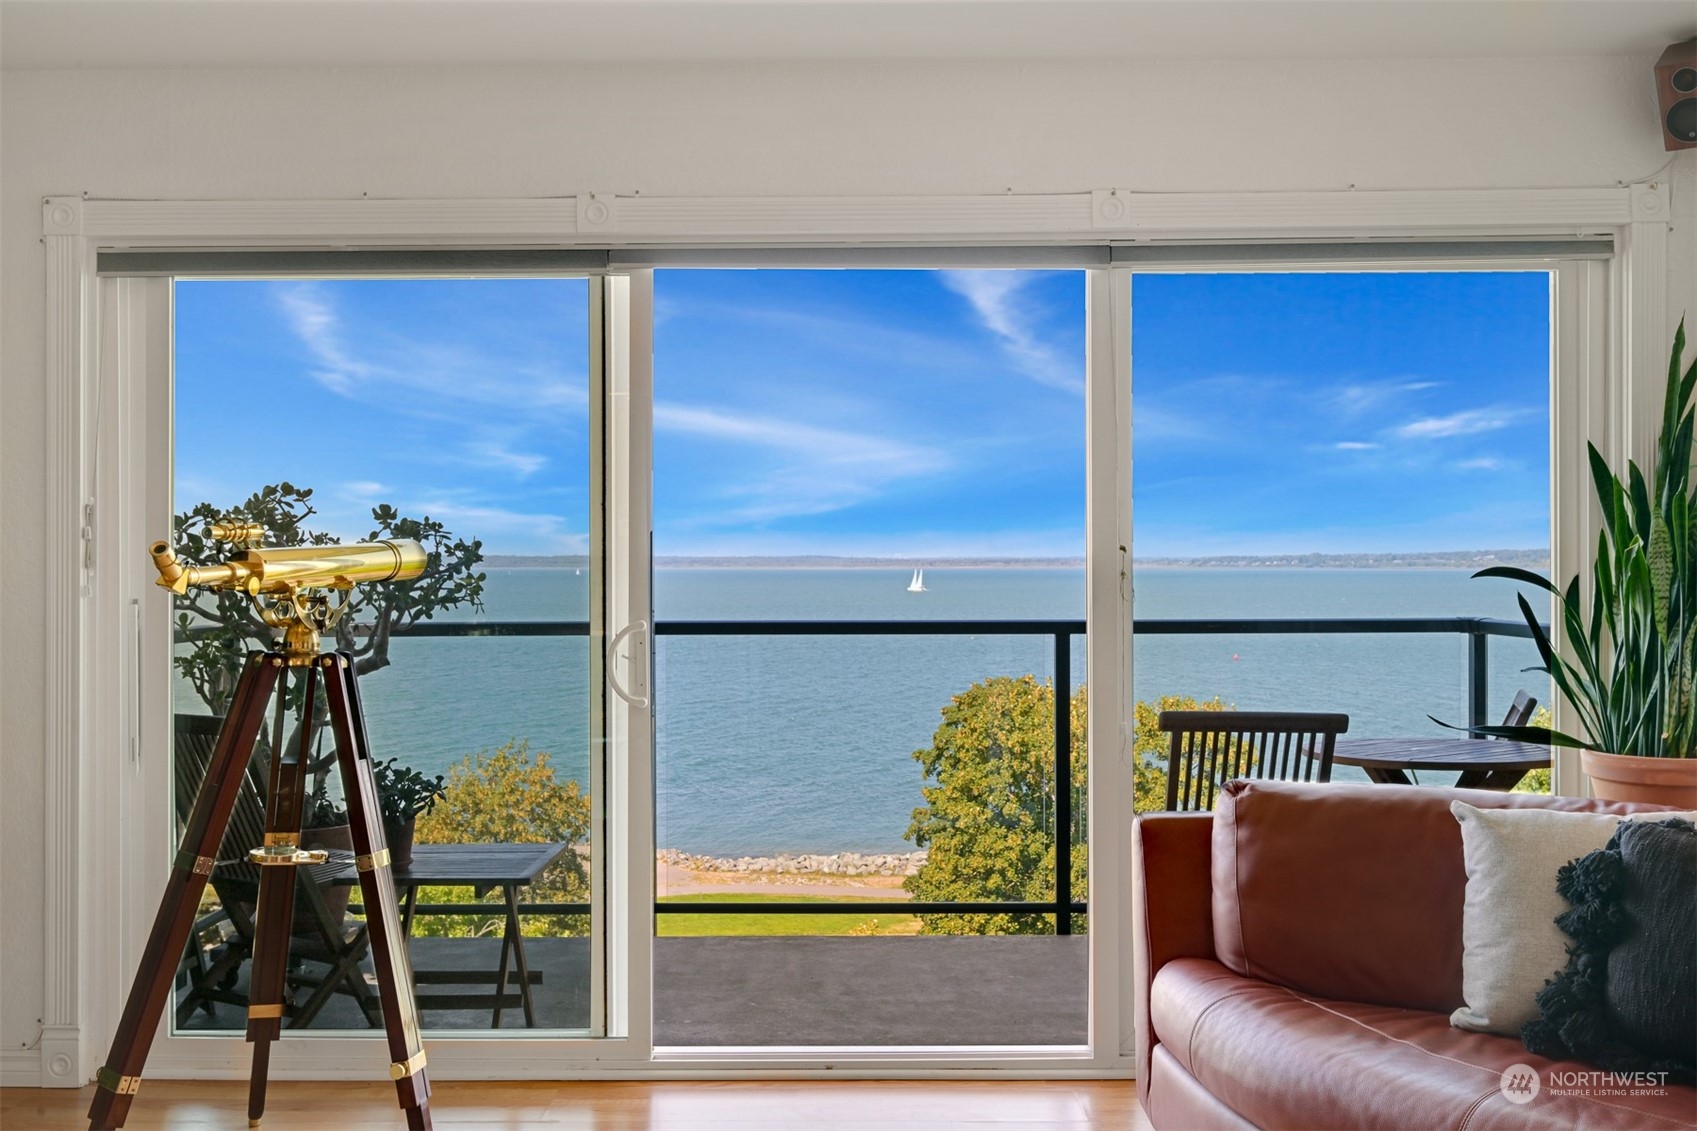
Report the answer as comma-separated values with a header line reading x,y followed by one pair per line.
x,y
1627,662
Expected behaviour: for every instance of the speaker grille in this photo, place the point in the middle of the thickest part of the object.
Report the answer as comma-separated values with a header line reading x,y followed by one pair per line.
x,y
1682,119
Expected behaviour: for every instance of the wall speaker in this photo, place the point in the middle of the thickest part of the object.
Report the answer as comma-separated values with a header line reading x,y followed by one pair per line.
x,y
1676,92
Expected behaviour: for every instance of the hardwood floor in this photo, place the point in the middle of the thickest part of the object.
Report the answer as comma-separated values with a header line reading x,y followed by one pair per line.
x,y
182,1105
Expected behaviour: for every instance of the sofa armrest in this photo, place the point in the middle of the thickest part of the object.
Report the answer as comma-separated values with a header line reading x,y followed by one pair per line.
x,y
1171,907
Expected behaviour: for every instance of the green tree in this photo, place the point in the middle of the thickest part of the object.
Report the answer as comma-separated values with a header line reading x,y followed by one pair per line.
x,y
988,818
1537,781
511,797
988,821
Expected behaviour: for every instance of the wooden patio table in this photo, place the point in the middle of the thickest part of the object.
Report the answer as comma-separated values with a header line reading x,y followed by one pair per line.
x,y
482,867
1489,763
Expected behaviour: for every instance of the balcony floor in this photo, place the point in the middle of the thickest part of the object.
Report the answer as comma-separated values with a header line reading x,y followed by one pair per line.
x,y
936,990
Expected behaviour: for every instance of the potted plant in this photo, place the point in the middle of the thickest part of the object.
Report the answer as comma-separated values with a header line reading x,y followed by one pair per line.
x,y
404,795
325,825
1627,667
326,822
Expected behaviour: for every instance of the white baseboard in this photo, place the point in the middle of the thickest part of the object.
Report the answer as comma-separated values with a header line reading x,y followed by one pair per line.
x,y
20,1068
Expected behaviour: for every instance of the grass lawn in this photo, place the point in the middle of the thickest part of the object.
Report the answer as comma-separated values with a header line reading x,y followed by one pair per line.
x,y
755,923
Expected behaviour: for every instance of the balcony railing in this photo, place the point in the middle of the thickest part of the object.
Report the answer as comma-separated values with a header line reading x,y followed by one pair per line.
x,y
1477,631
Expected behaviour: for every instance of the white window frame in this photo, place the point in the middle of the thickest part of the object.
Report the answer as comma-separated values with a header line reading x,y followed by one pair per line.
x,y
1610,338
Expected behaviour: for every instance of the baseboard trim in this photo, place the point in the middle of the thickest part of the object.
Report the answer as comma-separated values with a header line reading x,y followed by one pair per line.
x,y
20,1068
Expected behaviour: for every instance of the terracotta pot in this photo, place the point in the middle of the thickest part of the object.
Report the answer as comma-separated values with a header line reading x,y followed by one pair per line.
x,y
399,841
335,895
1657,781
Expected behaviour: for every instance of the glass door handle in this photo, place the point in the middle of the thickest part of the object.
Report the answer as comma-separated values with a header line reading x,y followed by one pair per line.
x,y
632,630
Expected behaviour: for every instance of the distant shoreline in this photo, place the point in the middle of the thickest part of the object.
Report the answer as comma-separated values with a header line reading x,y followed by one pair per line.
x,y
1441,559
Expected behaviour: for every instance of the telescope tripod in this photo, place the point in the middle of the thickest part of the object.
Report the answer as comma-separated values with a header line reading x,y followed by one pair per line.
x,y
119,1080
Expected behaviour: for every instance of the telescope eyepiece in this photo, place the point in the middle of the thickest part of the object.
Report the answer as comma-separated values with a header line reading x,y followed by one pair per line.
x,y
173,575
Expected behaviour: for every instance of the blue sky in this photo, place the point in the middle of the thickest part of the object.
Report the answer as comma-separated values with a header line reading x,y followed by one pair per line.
x,y
910,413
466,400
1337,413
905,413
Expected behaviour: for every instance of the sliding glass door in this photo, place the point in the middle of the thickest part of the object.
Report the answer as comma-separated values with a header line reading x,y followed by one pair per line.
x,y
466,414
1311,506
871,770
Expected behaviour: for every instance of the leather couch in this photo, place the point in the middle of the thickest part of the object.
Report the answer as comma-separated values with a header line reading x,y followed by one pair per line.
x,y
1298,953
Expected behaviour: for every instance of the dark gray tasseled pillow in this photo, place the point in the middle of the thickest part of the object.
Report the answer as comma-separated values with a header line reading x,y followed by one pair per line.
x,y
1627,1000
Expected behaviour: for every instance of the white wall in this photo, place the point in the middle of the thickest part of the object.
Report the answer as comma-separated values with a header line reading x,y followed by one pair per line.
x,y
752,129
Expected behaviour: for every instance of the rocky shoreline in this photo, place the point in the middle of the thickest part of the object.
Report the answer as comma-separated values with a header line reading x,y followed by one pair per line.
x,y
831,864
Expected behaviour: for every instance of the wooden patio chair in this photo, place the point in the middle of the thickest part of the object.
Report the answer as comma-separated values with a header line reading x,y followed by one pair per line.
x,y
1209,748
1519,714
1521,710
213,978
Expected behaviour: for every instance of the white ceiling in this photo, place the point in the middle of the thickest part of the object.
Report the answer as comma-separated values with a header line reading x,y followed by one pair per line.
x,y
276,33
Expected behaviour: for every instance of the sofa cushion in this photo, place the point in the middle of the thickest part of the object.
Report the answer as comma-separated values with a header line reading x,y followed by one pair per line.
x,y
1627,1001
1511,945
1175,1099
1351,892
1280,1058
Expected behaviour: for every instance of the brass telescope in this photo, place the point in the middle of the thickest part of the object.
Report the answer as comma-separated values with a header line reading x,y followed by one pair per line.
x,y
290,586
301,591
285,569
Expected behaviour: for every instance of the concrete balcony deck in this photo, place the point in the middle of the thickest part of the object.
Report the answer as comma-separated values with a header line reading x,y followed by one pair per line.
x,y
926,990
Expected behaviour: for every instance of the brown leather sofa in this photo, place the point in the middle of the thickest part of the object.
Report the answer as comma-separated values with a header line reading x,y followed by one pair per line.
x,y
1298,954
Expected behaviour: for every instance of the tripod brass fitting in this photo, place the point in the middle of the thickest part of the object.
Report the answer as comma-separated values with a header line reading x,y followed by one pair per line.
x,y
292,586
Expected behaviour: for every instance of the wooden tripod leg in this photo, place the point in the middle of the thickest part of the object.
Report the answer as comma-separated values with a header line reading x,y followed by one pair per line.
x,y
377,888
284,806
156,973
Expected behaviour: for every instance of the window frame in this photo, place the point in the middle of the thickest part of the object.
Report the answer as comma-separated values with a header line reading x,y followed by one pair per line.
x,y
1606,322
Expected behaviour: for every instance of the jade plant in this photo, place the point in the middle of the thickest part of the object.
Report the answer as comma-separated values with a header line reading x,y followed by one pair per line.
x,y
403,793
322,812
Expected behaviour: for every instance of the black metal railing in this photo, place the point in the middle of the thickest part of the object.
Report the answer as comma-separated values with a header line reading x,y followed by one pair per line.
x,y
1063,907
1477,630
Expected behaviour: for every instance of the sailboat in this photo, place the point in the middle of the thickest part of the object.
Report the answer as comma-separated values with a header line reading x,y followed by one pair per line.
x,y
917,585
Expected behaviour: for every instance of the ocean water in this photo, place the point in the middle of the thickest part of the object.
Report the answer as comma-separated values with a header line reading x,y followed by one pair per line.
x,y
805,744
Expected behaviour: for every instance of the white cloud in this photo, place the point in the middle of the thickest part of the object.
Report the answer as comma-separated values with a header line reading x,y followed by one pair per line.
x,y
1362,397
830,444
493,454
1483,463
1468,422
918,546
514,531
1151,422
835,332
994,298
434,380
315,323
1354,446
806,469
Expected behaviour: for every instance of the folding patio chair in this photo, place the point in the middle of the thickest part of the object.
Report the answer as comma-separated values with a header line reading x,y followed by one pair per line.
x,y
317,937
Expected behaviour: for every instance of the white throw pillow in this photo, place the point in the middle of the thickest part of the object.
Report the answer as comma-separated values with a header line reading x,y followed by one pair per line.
x,y
1510,942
